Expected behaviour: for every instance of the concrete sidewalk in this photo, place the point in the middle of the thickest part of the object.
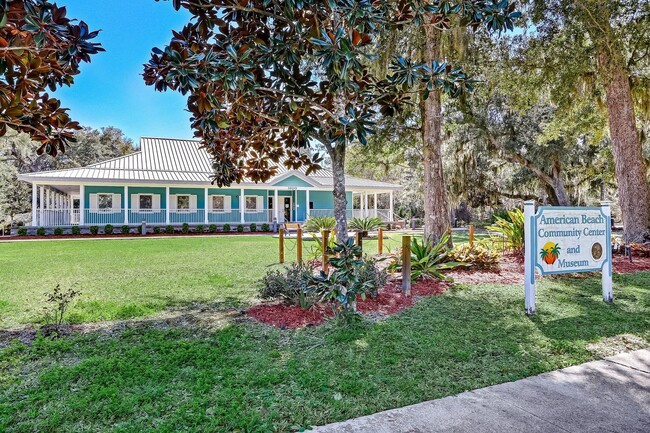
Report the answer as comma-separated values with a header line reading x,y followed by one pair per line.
x,y
612,395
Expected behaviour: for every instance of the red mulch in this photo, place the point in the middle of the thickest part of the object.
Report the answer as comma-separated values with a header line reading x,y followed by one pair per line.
x,y
622,264
390,300
509,271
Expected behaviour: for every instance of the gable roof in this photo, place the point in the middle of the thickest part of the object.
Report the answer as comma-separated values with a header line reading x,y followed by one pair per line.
x,y
179,161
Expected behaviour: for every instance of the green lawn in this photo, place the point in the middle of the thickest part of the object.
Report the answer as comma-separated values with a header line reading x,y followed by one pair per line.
x,y
128,278
249,378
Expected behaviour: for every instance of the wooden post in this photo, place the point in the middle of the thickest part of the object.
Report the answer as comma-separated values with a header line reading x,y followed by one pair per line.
x,y
359,239
281,236
299,244
380,241
471,235
326,235
406,265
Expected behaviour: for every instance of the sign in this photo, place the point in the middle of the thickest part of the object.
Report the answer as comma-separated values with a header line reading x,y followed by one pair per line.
x,y
562,240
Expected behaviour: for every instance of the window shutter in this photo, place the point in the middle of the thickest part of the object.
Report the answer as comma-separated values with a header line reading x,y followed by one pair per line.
x,y
193,202
155,202
208,205
227,203
93,201
117,202
260,203
135,202
173,203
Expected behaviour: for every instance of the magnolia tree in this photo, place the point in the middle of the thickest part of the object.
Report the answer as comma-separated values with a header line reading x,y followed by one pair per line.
x,y
40,49
266,79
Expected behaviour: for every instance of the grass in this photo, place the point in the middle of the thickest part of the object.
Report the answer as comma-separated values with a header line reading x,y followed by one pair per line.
x,y
127,278
249,378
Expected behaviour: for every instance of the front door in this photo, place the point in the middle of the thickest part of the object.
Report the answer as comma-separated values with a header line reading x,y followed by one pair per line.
x,y
286,208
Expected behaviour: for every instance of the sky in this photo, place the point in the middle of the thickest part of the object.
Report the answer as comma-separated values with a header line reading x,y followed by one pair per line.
x,y
110,91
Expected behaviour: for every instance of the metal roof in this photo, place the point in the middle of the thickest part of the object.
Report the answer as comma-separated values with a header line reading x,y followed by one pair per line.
x,y
178,161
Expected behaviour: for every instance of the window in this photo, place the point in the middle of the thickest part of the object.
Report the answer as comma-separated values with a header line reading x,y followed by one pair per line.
x,y
105,202
183,202
146,202
251,203
270,203
218,203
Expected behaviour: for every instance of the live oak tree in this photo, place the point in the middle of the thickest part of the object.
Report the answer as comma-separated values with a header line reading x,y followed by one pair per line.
x,y
40,49
267,78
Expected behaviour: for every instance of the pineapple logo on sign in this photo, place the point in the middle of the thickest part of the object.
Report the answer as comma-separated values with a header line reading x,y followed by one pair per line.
x,y
550,253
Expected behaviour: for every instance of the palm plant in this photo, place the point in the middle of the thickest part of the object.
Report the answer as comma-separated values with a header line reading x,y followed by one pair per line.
x,y
512,231
318,224
428,260
365,224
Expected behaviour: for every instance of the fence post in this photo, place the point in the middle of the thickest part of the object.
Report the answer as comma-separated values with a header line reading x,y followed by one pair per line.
x,y
359,239
471,235
406,265
281,237
299,244
380,241
326,235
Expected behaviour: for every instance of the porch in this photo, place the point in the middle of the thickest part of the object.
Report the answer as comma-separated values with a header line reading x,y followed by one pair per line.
x,y
66,205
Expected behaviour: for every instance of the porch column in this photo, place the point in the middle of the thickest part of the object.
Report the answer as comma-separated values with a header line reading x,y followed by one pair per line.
x,y
307,210
276,205
82,205
391,206
126,205
41,205
376,205
365,204
34,204
167,219
71,208
205,206
242,206
47,199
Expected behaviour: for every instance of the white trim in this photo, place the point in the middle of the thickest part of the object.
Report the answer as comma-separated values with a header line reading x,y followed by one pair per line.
x,y
167,199
126,205
34,204
82,205
206,218
307,209
391,205
242,206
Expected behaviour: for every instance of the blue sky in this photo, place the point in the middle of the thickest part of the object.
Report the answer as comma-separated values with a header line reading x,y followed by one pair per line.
x,y
110,90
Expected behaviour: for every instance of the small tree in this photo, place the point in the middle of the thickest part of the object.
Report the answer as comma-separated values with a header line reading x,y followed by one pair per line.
x,y
40,48
268,78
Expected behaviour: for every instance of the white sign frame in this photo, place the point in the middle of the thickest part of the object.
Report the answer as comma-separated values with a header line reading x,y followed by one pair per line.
x,y
531,261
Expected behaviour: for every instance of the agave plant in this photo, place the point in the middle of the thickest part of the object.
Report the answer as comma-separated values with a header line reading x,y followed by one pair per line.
x,y
512,231
318,224
365,224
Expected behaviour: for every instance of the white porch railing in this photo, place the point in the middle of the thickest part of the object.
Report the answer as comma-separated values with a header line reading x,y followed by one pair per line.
x,y
384,214
229,217
57,217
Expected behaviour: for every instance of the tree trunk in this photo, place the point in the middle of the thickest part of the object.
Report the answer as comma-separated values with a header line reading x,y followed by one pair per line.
x,y
557,185
436,206
340,197
634,192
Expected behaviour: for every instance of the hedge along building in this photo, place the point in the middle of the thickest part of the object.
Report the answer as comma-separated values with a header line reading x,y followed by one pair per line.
x,y
168,182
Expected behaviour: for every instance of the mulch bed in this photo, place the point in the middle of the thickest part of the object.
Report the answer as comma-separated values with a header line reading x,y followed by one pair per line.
x,y
390,300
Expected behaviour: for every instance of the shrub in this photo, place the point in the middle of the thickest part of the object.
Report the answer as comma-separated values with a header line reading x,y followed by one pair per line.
x,y
477,255
265,227
41,231
226,227
125,229
185,228
287,285
58,231
428,260
93,230
169,229
316,250
371,276
212,228
139,229
75,230
365,224
108,229
156,230
343,286
253,227
58,302
240,228
318,224
200,228
511,229
22,231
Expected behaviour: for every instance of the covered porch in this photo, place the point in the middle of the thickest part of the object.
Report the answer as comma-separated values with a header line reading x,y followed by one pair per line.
x,y
64,204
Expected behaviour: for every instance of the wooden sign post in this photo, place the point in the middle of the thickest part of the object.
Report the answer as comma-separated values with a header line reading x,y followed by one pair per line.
x,y
281,238
471,235
359,239
406,265
380,241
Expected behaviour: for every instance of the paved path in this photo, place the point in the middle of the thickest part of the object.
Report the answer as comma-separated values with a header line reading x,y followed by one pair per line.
x,y
612,395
